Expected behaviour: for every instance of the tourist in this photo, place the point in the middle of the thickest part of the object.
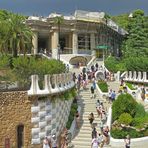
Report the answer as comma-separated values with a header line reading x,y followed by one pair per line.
x,y
97,103
96,65
127,141
94,143
120,89
92,92
46,143
100,140
143,94
77,117
91,118
109,95
74,77
78,85
67,67
63,138
84,83
94,133
54,141
113,95
94,83
98,109
92,68
106,134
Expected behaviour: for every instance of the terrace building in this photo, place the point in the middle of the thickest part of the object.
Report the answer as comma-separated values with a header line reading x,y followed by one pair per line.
x,y
79,35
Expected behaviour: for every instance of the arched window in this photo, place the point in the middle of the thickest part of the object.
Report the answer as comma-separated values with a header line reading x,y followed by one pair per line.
x,y
20,136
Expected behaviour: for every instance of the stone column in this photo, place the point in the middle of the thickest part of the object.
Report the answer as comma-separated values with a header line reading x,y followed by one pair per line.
x,y
49,44
86,42
35,43
92,43
75,42
54,44
70,42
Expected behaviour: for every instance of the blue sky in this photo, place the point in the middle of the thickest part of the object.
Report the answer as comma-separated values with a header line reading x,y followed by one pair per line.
x,y
45,7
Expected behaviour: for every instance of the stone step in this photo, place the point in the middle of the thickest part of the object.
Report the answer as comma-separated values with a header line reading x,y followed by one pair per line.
x,y
83,146
79,142
88,105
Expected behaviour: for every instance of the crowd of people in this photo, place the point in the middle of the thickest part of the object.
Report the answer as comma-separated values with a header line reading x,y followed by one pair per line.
x,y
99,139
50,142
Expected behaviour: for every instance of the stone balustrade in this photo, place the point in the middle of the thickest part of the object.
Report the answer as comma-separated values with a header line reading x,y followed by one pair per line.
x,y
134,76
52,84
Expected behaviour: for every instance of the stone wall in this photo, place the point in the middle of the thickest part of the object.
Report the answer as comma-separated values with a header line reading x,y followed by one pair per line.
x,y
48,117
41,116
15,109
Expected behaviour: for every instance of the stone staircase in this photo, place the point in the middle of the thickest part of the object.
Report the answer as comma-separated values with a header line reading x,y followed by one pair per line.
x,y
82,138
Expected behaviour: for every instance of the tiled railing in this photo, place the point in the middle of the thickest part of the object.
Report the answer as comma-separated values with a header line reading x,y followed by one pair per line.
x,y
52,84
135,76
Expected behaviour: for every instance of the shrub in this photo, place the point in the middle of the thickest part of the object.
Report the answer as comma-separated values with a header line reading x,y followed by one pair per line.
x,y
103,86
140,111
125,118
73,110
114,65
73,92
137,64
122,133
139,122
24,67
130,86
124,103
118,134
4,61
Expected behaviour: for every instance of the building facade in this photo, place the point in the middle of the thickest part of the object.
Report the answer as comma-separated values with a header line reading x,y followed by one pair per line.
x,y
81,33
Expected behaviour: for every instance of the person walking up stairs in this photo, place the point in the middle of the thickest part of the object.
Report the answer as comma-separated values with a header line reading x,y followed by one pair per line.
x,y
83,138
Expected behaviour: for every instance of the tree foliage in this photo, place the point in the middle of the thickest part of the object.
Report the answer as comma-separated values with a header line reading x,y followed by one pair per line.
x,y
125,118
122,20
16,36
136,64
124,104
135,46
113,64
24,67
21,68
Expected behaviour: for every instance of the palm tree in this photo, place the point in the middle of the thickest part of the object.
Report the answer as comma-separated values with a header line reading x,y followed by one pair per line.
x,y
15,34
20,35
58,20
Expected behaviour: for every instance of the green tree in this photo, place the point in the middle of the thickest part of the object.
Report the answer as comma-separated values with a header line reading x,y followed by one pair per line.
x,y
125,118
16,36
136,44
125,103
122,20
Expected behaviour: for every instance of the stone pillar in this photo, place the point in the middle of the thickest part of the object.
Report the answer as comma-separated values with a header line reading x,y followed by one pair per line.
x,y
54,44
86,42
35,43
75,42
49,44
70,40
92,43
